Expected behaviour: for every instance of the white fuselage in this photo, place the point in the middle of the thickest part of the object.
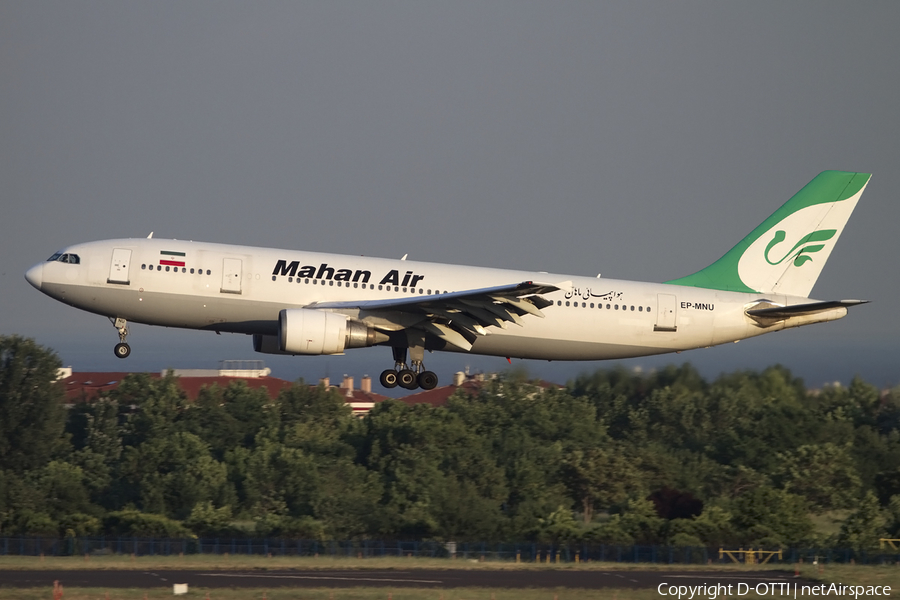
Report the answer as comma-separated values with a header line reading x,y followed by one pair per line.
x,y
241,289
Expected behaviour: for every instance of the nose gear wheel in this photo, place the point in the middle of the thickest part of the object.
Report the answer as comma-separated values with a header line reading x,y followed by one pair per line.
x,y
122,349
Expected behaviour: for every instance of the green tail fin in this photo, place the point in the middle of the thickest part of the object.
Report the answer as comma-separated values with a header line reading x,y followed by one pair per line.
x,y
786,253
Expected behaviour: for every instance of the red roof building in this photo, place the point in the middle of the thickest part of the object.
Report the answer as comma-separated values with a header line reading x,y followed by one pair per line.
x,y
84,387
87,386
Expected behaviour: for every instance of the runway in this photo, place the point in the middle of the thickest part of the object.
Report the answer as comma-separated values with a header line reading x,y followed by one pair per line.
x,y
431,578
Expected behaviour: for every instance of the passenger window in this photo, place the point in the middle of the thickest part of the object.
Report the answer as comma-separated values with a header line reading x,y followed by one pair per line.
x,y
567,302
192,271
592,305
208,272
143,267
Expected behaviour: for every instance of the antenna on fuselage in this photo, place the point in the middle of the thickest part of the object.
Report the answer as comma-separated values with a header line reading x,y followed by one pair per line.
x,y
150,236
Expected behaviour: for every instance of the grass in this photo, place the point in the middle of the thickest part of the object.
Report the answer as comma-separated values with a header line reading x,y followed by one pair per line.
x,y
337,594
865,575
855,574
262,563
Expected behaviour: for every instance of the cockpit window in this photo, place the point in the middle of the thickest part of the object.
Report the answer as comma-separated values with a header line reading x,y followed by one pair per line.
x,y
72,259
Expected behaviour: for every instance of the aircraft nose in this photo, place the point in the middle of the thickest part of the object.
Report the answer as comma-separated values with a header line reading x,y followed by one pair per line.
x,y
35,275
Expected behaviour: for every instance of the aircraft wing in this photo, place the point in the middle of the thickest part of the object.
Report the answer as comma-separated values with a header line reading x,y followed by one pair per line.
x,y
459,318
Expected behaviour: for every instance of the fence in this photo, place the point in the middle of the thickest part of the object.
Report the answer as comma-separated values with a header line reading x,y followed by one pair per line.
x,y
512,552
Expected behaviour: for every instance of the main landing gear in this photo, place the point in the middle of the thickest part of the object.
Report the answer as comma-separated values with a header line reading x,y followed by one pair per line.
x,y
406,377
122,349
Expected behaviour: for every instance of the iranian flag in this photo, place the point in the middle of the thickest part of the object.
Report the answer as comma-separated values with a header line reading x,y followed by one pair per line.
x,y
171,258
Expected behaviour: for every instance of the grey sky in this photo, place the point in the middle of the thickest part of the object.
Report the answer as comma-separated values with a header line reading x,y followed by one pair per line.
x,y
640,140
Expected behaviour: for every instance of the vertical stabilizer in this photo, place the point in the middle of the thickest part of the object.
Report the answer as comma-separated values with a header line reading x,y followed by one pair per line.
x,y
786,253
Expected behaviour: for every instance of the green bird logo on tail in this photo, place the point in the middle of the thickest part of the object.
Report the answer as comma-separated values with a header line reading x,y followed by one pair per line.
x,y
801,256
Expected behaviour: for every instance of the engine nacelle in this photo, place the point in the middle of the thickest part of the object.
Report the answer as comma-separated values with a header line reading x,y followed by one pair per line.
x,y
267,344
308,331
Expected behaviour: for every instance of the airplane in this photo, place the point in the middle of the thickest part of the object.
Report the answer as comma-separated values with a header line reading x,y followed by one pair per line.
x,y
308,303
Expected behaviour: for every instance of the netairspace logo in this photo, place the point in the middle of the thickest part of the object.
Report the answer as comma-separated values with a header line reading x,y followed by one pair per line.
x,y
778,589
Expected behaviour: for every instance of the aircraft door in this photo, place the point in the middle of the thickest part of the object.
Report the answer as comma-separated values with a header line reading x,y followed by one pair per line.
x,y
231,276
665,313
118,268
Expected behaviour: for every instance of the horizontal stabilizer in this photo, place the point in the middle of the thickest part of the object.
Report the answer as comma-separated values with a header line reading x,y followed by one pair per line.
x,y
797,310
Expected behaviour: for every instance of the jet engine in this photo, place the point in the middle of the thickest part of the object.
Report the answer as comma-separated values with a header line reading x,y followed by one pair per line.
x,y
308,331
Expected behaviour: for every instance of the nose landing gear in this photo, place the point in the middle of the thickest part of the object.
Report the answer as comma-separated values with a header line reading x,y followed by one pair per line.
x,y
407,377
122,349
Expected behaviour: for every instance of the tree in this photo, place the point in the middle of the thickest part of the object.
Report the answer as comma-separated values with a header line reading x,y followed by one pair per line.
x,y
206,520
599,477
158,404
862,529
824,474
171,474
765,516
32,416
135,523
712,527
95,430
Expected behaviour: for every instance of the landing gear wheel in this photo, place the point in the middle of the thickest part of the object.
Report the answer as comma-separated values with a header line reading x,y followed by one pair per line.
x,y
389,378
407,379
427,380
122,350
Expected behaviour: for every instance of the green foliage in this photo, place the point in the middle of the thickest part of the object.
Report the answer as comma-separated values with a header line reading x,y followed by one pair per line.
x,y
712,527
600,477
131,522
32,417
558,527
864,526
512,461
824,474
207,520
769,517
170,474
229,417
30,522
